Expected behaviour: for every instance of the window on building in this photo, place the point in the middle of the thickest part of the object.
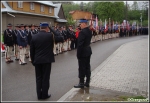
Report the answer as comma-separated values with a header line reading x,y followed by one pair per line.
x,y
50,10
42,8
20,4
32,6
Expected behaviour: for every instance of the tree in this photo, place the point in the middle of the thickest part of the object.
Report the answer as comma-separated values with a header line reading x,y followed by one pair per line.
x,y
113,10
135,6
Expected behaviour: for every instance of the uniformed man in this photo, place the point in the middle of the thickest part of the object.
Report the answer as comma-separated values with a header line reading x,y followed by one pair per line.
x,y
71,36
16,49
36,28
41,51
8,42
65,39
84,54
32,32
22,43
60,44
27,30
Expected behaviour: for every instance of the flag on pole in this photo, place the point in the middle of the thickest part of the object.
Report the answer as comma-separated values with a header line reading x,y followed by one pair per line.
x,y
91,21
96,23
105,23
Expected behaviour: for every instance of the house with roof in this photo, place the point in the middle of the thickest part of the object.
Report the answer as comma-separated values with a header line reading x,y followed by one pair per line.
x,y
60,13
77,15
25,12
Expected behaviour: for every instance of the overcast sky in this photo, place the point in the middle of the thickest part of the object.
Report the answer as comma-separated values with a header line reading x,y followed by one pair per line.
x,y
129,2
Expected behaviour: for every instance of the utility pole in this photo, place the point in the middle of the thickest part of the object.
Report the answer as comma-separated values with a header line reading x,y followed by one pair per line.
x,y
126,18
141,19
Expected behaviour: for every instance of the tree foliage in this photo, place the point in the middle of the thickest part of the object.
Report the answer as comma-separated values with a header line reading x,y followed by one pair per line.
x,y
116,11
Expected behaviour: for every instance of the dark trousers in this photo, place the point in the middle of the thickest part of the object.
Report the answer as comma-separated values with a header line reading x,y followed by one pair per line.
x,y
84,67
42,72
72,45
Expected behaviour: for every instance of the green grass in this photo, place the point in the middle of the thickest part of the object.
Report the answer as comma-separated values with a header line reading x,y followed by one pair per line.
x,y
125,98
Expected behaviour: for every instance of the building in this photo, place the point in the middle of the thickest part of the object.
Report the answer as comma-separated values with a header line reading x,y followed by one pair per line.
x,y
77,15
62,2
60,13
22,12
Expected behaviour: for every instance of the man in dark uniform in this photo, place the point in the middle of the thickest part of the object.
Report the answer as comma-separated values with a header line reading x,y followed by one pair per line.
x,y
71,34
22,43
41,52
16,49
65,39
8,42
32,32
27,30
84,54
36,28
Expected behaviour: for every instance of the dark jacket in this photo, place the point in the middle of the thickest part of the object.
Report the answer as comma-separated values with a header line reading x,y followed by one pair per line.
x,y
22,38
41,48
31,33
15,32
84,40
8,37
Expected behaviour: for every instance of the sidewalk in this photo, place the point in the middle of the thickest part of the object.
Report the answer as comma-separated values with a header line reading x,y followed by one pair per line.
x,y
124,73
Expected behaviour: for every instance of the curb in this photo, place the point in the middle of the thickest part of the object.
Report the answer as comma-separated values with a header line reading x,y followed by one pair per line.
x,y
72,92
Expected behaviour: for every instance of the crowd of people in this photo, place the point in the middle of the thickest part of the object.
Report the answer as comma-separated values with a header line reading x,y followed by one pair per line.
x,y
18,40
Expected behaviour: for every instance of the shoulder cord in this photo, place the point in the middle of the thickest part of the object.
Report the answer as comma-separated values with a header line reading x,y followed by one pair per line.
x,y
8,33
31,33
15,32
64,32
21,34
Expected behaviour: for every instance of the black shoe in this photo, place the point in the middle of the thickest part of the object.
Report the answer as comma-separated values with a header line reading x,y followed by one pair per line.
x,y
7,62
80,85
11,61
49,95
87,85
16,59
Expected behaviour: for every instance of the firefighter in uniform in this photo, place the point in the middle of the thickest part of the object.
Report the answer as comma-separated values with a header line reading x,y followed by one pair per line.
x,y
8,42
27,30
16,49
70,39
65,39
84,52
60,44
32,32
22,43
42,56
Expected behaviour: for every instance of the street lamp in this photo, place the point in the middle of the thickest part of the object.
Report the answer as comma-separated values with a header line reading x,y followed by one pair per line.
x,y
141,19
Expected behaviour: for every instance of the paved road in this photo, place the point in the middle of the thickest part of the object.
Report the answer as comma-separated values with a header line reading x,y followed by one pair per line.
x,y
18,82
123,73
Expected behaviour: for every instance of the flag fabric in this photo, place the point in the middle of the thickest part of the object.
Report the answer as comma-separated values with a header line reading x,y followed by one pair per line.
x,y
91,21
101,24
105,23
113,25
96,23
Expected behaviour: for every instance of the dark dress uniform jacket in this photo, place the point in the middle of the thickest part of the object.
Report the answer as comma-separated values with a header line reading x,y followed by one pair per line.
x,y
41,47
84,40
22,38
8,37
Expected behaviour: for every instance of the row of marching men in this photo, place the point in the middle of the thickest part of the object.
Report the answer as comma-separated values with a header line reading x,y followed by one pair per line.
x,y
103,34
69,42
17,41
